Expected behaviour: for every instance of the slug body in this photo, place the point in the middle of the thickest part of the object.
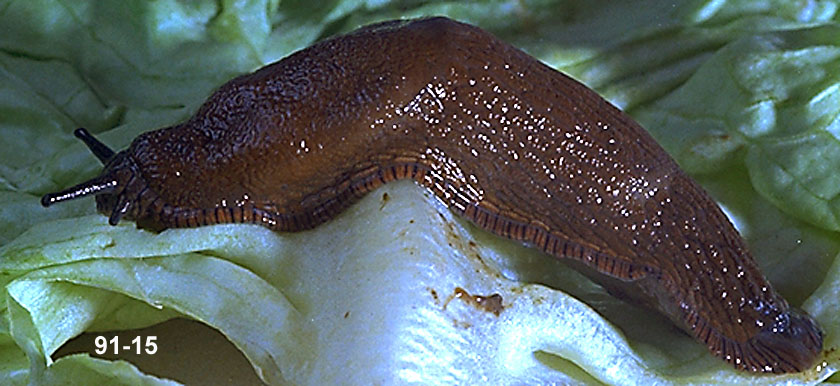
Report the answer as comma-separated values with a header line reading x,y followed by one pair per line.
x,y
509,143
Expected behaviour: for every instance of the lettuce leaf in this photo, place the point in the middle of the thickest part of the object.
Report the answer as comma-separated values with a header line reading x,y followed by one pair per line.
x,y
744,94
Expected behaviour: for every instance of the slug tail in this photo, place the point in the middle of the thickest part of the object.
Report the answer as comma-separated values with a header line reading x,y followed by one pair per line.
x,y
790,344
99,149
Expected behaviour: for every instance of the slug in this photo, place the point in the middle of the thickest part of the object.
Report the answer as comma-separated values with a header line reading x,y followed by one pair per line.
x,y
505,141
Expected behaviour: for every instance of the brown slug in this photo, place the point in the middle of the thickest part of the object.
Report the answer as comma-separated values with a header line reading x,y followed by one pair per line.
x,y
511,144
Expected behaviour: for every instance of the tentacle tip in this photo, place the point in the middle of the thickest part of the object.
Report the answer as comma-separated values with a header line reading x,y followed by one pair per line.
x,y
81,132
48,199
119,210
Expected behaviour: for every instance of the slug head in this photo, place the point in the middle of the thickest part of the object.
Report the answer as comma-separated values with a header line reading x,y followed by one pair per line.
x,y
117,188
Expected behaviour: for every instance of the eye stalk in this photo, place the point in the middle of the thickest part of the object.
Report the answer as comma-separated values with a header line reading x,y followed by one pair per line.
x,y
99,149
99,185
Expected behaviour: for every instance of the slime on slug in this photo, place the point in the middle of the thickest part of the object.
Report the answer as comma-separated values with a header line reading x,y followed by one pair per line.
x,y
516,147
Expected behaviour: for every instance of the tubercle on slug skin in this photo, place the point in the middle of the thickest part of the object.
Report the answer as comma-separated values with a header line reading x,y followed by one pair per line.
x,y
511,144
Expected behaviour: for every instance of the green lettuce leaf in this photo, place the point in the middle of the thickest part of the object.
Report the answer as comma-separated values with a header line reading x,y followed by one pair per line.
x,y
744,94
